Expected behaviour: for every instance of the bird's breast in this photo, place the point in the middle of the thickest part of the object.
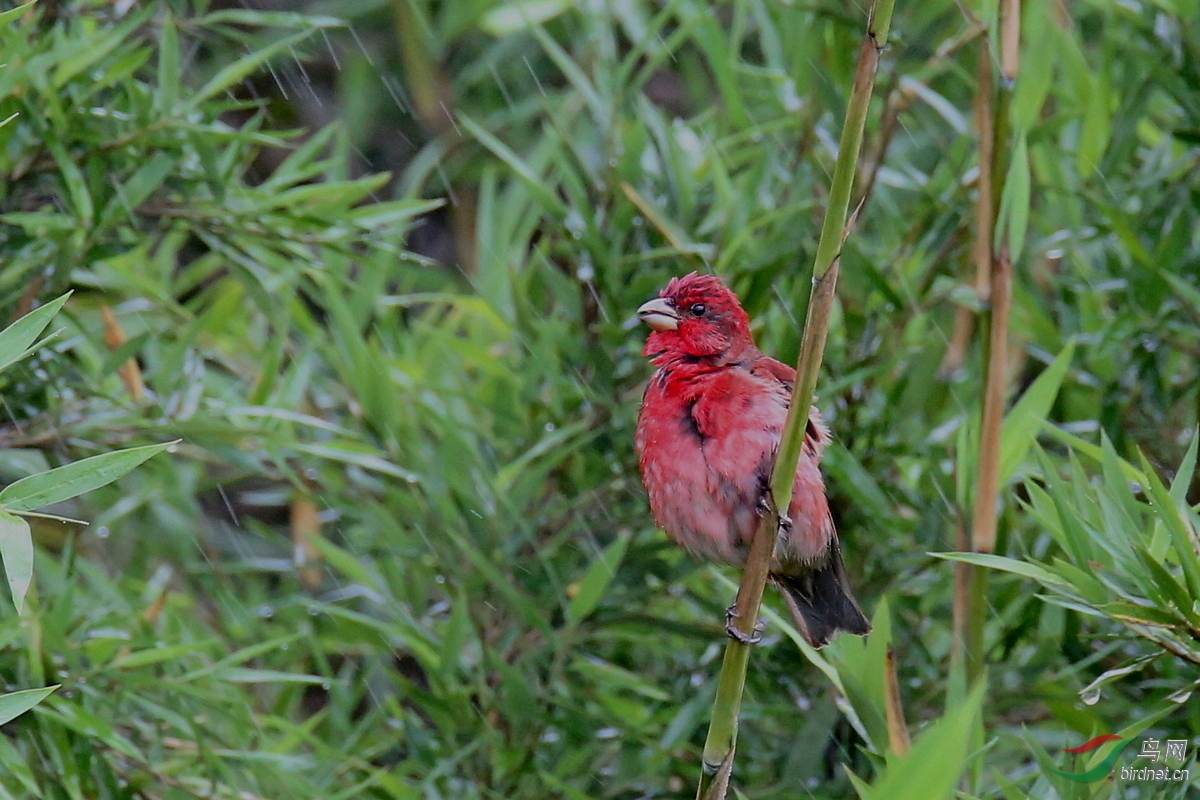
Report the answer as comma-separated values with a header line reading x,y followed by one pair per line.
x,y
701,464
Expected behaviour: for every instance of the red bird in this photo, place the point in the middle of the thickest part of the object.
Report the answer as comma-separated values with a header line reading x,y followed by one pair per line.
x,y
707,432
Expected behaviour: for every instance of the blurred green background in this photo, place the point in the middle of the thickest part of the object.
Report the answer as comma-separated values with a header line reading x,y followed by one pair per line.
x,y
376,263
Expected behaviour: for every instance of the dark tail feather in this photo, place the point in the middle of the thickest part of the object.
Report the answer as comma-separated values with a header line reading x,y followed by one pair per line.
x,y
820,600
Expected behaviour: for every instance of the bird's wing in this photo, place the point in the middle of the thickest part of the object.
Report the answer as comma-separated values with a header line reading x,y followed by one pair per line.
x,y
816,435
767,367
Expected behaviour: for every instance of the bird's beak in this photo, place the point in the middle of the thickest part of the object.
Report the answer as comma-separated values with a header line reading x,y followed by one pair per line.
x,y
659,314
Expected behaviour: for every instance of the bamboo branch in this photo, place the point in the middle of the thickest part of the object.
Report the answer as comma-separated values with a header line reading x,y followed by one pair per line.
x,y
964,653
970,619
987,476
722,733
985,213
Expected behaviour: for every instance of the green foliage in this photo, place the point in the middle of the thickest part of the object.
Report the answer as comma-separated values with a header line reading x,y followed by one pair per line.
x,y
1127,554
53,486
932,768
35,491
401,550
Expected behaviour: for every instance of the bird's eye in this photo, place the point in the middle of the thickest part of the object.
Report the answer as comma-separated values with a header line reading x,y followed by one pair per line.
x,y
698,309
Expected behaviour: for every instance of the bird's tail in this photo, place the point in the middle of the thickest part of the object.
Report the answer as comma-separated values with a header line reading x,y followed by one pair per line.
x,y
820,600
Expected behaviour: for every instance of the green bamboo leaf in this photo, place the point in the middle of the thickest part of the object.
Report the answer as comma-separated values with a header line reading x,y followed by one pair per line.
x,y
860,786
347,564
1173,520
75,716
16,547
669,230
243,655
13,13
241,69
1096,128
1108,676
862,663
251,675
535,183
785,624
512,17
1025,569
1183,289
157,655
98,47
140,185
599,574
75,479
931,769
16,341
1024,421
1116,495
455,635
1092,451
359,455
966,449
577,77
72,177
519,600
1075,538
265,19
1013,221
939,103
1142,615
1037,68
856,481
556,444
14,704
609,675
1085,584
1187,470
1170,588
169,70
39,223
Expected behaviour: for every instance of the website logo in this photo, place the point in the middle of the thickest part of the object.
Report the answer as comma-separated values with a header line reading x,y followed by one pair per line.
x,y
1175,750
1104,767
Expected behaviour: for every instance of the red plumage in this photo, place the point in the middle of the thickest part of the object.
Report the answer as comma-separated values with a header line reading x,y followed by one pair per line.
x,y
707,432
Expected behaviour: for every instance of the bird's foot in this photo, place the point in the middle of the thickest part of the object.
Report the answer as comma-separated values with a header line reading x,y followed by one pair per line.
x,y
766,504
736,633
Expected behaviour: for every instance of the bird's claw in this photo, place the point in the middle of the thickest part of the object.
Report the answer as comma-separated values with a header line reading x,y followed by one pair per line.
x,y
766,505
736,633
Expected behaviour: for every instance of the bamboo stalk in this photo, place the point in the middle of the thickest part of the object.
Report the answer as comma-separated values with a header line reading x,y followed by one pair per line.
x,y
987,478
720,745
985,213
994,284
970,651
964,649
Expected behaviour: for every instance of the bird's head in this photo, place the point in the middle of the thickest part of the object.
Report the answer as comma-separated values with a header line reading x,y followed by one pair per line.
x,y
696,316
